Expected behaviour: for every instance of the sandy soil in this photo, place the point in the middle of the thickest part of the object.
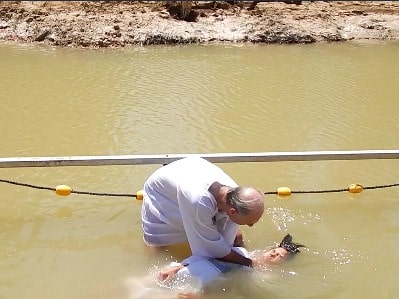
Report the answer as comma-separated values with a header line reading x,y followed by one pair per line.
x,y
123,23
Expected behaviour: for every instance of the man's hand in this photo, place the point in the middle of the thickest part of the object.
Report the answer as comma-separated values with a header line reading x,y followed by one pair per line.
x,y
168,273
239,240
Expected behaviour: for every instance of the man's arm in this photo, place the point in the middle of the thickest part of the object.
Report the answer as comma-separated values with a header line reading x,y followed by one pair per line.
x,y
236,258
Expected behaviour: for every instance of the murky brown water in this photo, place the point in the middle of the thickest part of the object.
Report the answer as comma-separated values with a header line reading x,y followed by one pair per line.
x,y
199,99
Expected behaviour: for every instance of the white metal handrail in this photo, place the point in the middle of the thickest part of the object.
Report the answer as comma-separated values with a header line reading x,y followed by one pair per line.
x,y
215,158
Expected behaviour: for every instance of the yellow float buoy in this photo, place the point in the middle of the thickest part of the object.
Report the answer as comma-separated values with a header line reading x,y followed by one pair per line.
x,y
355,188
139,195
63,190
283,191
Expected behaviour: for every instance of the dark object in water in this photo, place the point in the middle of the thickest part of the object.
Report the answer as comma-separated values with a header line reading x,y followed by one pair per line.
x,y
290,246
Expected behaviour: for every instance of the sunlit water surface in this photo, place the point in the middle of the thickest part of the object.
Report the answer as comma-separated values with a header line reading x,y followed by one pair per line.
x,y
199,99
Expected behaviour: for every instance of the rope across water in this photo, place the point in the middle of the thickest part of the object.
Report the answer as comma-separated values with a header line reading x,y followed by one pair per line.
x,y
265,193
72,191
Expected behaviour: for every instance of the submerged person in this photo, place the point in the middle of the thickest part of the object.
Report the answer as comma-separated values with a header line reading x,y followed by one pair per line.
x,y
192,200
203,271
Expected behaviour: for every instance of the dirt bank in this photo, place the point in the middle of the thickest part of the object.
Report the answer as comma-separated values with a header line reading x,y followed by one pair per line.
x,y
117,24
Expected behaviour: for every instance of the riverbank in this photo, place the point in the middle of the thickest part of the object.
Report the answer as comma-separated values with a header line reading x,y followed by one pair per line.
x,y
118,24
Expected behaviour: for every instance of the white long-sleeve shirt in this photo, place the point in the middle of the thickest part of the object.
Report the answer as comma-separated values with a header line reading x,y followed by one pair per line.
x,y
199,272
178,207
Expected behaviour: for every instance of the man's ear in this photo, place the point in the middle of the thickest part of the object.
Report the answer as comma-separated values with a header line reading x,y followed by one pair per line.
x,y
233,211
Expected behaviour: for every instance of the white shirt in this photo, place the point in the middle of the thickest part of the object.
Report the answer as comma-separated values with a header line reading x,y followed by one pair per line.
x,y
178,207
200,272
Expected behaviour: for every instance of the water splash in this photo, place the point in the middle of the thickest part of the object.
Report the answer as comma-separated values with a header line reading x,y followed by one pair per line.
x,y
281,217
342,257
180,282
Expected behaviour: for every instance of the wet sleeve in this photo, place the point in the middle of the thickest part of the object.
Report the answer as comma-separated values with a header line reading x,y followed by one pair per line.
x,y
202,234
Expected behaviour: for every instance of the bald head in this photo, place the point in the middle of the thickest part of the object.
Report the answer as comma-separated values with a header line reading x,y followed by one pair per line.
x,y
246,200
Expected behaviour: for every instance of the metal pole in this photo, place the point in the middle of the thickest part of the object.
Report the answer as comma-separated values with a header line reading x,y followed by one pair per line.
x,y
215,158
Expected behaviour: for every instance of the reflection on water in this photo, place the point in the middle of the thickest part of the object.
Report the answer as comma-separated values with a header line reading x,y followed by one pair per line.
x,y
199,99
281,217
343,257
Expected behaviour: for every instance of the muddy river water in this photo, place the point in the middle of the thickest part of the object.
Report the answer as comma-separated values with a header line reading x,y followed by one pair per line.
x,y
199,99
